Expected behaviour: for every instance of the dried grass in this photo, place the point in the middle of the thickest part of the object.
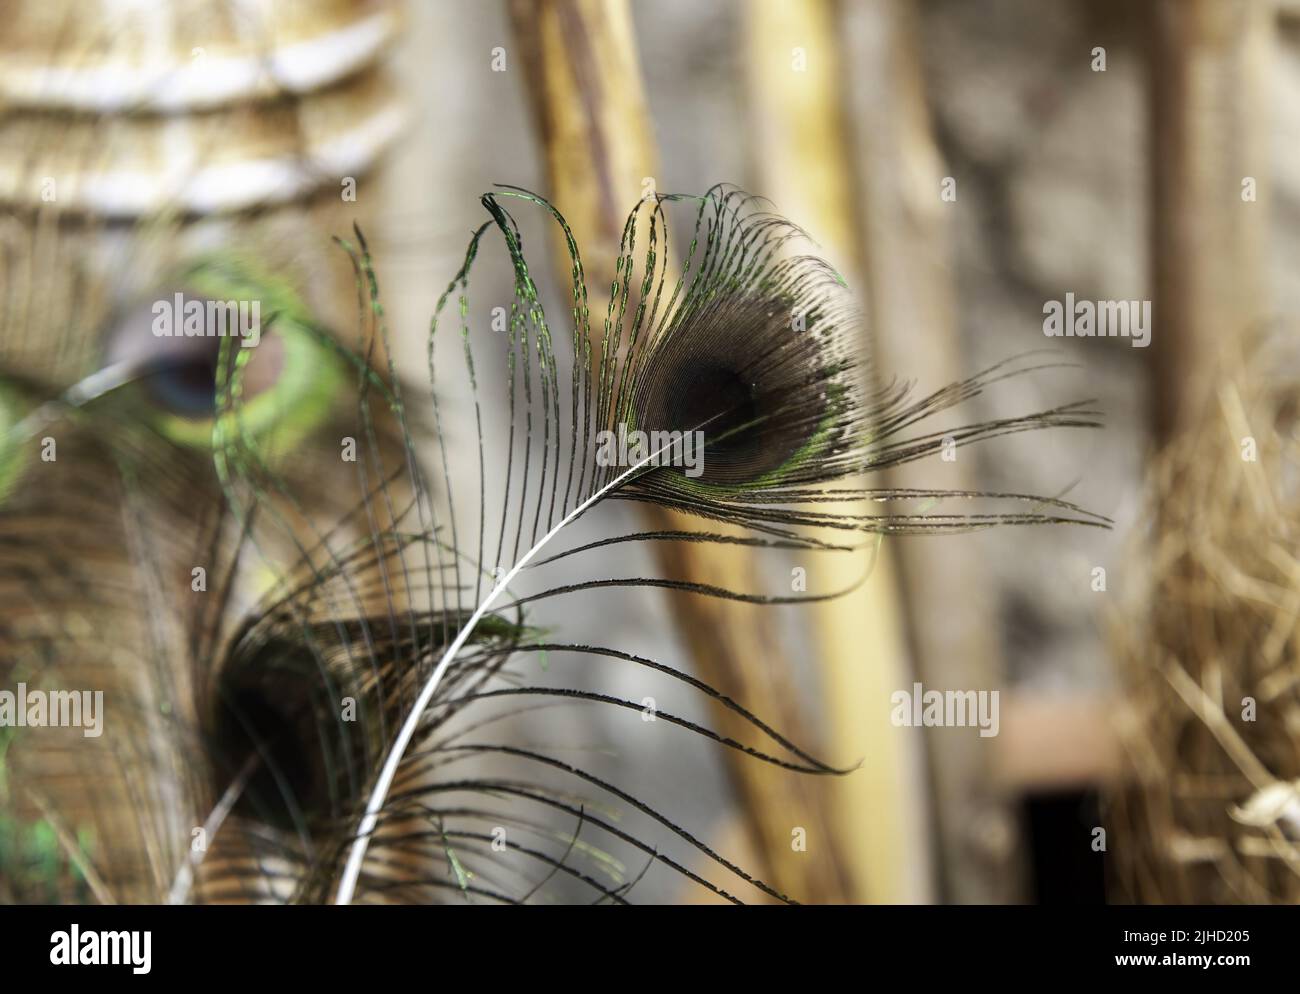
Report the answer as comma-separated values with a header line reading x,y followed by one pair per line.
x,y
1210,810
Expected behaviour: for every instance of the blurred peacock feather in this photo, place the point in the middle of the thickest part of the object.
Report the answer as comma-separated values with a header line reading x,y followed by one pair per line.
x,y
311,613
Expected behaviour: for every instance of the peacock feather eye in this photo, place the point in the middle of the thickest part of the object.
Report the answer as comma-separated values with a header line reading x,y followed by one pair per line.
x,y
291,711
752,378
277,712
221,320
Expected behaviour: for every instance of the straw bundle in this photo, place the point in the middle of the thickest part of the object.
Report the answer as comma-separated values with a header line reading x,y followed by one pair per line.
x,y
1210,653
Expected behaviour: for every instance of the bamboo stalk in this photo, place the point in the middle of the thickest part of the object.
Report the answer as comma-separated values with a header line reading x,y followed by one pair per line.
x,y
587,98
803,163
904,223
1209,95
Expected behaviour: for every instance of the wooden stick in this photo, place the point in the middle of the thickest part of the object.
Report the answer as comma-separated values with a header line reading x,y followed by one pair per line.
x,y
802,158
949,610
587,99
1209,100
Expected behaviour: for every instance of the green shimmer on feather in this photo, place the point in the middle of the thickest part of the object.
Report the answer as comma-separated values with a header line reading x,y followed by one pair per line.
x,y
33,861
13,453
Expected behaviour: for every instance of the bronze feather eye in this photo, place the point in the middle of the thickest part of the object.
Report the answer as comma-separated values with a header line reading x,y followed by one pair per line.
x,y
746,372
279,722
